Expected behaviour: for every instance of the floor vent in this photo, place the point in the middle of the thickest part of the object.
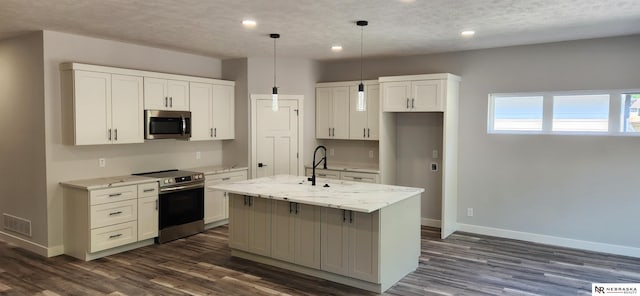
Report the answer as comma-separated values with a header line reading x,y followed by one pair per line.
x,y
17,225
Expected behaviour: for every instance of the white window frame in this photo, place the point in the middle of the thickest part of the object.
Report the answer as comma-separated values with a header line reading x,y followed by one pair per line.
x,y
615,116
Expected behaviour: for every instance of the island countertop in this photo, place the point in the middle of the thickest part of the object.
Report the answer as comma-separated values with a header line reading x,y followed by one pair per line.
x,y
346,195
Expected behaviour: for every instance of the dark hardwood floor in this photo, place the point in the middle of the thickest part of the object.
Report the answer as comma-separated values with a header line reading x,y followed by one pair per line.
x,y
463,264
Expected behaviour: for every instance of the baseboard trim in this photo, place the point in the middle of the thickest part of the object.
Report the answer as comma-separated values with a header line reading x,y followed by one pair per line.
x,y
25,244
431,222
552,240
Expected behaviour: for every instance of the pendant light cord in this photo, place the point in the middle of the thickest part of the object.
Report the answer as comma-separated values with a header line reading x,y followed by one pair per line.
x,y
361,42
274,62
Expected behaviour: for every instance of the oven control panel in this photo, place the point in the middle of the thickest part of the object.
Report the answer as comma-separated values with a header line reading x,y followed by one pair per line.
x,y
183,179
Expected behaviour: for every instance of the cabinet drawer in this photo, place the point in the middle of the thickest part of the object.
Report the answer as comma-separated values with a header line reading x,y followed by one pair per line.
x,y
101,196
326,174
147,189
113,236
360,177
226,177
114,213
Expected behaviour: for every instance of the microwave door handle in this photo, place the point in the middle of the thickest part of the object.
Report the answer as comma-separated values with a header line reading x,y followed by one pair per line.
x,y
184,125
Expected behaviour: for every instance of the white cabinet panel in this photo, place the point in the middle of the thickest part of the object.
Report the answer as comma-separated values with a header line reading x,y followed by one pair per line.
x,y
223,112
363,125
113,213
427,95
396,96
92,107
216,203
238,222
332,112
113,236
295,233
147,217
127,109
422,95
165,94
201,105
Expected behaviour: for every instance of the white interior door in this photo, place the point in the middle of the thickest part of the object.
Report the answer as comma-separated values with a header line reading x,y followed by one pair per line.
x,y
276,138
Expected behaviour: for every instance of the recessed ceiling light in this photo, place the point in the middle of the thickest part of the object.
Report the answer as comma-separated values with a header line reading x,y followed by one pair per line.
x,y
249,24
336,48
467,33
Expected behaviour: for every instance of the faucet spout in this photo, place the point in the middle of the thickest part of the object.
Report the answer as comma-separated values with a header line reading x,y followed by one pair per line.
x,y
315,164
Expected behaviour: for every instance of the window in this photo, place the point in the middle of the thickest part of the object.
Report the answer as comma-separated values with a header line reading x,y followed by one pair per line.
x,y
581,113
576,112
512,113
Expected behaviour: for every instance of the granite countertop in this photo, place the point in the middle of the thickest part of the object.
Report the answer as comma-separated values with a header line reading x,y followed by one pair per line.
x,y
361,168
216,169
106,182
347,195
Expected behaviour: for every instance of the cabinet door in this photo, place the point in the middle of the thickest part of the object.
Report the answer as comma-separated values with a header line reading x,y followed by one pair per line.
x,y
357,119
92,107
155,94
396,96
201,97
360,177
363,246
214,204
260,226
223,112
282,230
340,113
307,235
334,248
127,109
322,173
147,217
238,222
178,93
427,95
373,111
323,112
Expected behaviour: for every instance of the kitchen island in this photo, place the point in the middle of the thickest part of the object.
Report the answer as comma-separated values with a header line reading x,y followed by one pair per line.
x,y
359,234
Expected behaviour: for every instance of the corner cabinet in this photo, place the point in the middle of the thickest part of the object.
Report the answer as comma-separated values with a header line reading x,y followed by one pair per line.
x,y
216,203
212,110
415,93
166,94
106,108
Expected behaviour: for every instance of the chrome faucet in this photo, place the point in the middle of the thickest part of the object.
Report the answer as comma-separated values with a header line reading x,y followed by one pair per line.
x,y
313,174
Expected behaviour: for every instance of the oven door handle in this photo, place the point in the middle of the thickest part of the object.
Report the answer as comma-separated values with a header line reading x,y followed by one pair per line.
x,y
181,188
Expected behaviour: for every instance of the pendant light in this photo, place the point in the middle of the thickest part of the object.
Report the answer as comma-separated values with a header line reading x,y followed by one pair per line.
x,y
274,91
361,102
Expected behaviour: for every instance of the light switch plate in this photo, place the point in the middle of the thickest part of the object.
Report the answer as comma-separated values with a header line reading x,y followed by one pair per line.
x,y
198,155
434,154
102,162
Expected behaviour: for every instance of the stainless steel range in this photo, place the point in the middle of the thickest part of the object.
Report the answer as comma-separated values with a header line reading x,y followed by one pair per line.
x,y
181,206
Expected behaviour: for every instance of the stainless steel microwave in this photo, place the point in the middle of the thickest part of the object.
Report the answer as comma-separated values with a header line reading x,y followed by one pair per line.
x,y
160,124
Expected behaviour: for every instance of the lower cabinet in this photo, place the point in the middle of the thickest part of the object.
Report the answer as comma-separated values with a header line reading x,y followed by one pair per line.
x,y
345,175
250,224
350,243
295,233
216,203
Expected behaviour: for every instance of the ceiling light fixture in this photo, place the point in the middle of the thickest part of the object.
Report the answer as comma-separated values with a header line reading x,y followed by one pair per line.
x,y
336,48
249,24
467,33
274,92
361,103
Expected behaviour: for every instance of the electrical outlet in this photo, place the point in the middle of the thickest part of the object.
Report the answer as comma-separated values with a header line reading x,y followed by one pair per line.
x,y
102,162
370,153
434,154
469,212
434,167
331,152
198,155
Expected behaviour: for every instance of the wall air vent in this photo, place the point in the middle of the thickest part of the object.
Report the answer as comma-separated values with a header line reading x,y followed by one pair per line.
x,y
17,224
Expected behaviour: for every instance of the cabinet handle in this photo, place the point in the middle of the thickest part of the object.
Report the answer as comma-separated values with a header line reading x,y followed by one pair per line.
x,y
350,217
413,106
156,204
407,103
115,213
215,132
166,101
116,134
250,201
322,175
368,133
226,179
297,208
290,207
245,200
109,134
115,194
171,102
211,132
149,190
344,216
364,132
357,178
115,235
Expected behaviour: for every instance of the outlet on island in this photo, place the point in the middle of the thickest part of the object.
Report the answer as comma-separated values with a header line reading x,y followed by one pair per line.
x,y
102,162
198,155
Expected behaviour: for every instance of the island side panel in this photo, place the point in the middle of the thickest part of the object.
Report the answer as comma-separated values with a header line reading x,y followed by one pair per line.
x,y
399,240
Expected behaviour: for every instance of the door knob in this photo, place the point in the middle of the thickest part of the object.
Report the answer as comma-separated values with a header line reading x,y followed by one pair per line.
x,y
260,164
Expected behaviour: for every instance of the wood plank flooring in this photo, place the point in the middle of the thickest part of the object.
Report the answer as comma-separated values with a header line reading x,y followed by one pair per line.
x,y
464,264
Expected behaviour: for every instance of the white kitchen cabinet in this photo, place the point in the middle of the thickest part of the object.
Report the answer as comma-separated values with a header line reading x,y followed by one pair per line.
x,y
105,221
212,111
166,94
295,233
344,175
216,203
107,108
418,93
250,224
350,243
363,125
332,112
322,173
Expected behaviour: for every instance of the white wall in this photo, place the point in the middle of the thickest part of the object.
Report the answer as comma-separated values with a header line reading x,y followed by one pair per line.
x,y
65,162
294,77
22,152
574,187
236,152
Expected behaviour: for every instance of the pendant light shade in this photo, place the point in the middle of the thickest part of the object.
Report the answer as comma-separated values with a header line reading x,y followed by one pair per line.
x,y
361,101
274,90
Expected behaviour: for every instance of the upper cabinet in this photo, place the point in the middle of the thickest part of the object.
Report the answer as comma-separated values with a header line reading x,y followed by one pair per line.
x,y
107,108
416,93
337,116
212,111
332,112
166,94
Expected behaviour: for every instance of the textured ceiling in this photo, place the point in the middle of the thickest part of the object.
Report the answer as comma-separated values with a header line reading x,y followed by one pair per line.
x,y
309,27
